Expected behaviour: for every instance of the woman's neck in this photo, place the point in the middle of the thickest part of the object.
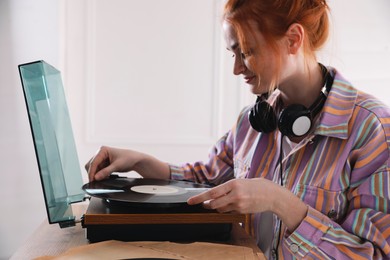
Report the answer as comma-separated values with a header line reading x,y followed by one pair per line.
x,y
303,86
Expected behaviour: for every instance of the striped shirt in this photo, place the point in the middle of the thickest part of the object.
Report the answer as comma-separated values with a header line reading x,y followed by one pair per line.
x,y
340,170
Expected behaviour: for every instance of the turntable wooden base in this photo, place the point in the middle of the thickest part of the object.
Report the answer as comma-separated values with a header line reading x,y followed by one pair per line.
x,y
105,221
52,240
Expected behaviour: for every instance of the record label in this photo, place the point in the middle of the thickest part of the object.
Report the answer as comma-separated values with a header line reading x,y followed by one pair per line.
x,y
155,189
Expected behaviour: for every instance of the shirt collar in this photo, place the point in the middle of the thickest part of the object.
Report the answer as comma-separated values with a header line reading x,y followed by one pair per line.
x,y
338,109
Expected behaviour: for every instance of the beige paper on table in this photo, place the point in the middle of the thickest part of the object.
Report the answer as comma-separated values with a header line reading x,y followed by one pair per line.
x,y
160,250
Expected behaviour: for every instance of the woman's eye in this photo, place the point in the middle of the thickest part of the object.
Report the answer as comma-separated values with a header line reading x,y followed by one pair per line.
x,y
242,55
246,54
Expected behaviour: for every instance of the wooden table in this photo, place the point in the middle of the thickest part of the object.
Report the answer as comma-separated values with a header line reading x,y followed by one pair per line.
x,y
52,240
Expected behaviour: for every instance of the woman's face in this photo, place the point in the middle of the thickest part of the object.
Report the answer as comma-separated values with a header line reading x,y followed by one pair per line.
x,y
259,74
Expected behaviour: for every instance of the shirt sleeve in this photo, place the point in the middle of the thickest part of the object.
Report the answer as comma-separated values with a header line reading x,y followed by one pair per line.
x,y
319,237
216,170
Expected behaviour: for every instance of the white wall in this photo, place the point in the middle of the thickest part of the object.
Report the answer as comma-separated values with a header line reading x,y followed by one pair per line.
x,y
63,33
139,78
360,44
28,31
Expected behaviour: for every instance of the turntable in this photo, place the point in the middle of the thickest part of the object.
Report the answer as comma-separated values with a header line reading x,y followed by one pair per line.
x,y
120,208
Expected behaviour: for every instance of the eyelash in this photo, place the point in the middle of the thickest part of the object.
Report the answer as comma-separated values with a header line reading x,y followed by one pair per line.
x,y
243,55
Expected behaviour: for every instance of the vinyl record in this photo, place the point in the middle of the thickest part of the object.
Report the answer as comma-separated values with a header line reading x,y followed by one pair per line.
x,y
144,192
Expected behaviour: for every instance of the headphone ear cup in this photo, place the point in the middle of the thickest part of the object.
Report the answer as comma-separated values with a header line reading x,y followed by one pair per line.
x,y
262,117
295,121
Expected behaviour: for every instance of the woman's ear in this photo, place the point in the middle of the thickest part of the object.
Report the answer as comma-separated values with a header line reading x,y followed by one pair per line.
x,y
295,35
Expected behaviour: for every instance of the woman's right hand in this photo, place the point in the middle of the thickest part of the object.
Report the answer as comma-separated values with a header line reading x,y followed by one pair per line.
x,y
108,160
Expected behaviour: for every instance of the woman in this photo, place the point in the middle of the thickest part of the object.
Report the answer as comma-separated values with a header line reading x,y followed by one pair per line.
x,y
310,163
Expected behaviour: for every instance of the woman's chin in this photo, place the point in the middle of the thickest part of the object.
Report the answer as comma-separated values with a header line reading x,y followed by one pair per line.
x,y
256,90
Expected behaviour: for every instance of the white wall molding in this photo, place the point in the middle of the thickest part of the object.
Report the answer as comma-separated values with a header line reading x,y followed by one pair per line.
x,y
215,90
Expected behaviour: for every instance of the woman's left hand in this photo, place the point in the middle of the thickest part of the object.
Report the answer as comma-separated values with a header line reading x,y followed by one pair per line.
x,y
254,196
239,195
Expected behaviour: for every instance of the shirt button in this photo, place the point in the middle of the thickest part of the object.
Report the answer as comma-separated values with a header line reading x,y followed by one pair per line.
x,y
294,248
274,254
332,214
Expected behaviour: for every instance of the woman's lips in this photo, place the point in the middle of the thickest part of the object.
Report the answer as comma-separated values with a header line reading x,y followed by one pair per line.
x,y
249,79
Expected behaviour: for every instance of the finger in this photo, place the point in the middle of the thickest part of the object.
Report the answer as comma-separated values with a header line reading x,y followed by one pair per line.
x,y
222,209
87,165
227,209
104,173
211,194
206,204
96,162
93,168
204,196
220,203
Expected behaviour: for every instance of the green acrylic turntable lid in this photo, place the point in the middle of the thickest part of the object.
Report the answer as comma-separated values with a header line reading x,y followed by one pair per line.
x,y
53,140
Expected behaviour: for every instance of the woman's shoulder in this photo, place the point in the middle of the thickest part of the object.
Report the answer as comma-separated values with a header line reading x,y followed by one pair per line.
x,y
349,92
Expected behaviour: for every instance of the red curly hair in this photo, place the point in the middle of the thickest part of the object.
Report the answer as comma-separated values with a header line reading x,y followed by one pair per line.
x,y
274,17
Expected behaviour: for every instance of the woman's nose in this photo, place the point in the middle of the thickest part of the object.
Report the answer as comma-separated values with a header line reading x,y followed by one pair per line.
x,y
239,66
